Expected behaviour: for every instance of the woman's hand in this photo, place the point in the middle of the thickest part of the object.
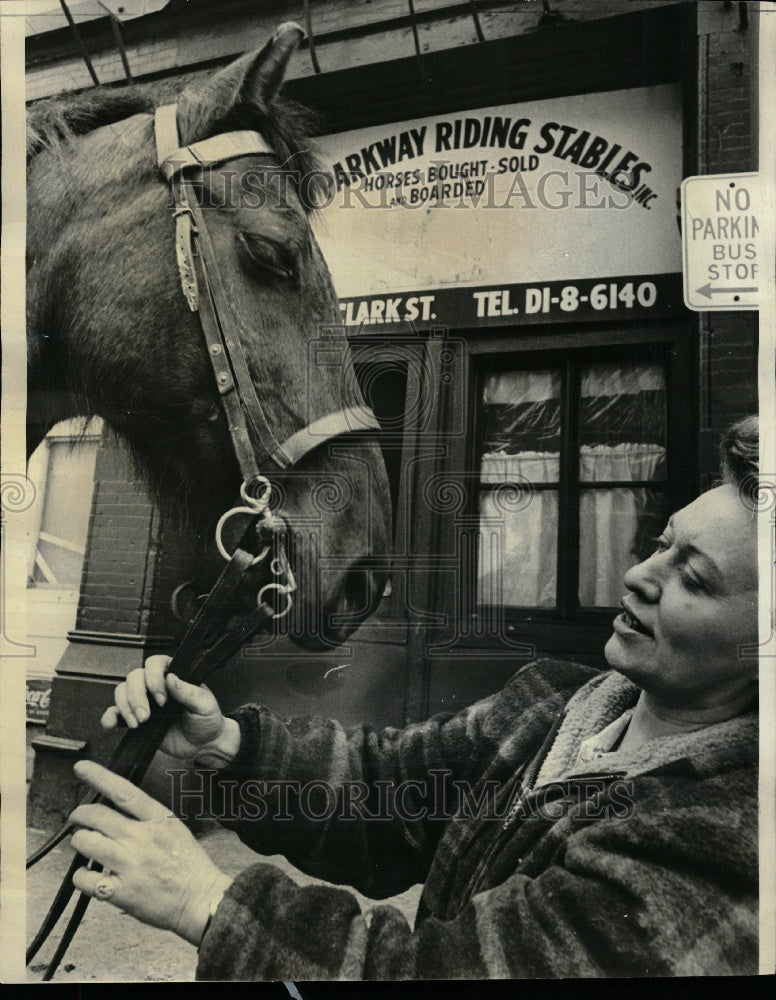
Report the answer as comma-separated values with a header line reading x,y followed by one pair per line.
x,y
202,733
154,868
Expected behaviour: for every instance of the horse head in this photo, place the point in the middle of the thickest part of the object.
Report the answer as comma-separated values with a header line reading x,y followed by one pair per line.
x,y
111,332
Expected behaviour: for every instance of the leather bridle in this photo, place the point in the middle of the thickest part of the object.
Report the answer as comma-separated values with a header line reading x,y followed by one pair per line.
x,y
252,438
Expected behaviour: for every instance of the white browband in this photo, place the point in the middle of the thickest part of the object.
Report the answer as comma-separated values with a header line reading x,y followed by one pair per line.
x,y
172,158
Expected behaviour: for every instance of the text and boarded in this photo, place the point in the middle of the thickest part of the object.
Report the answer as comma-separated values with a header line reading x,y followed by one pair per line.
x,y
521,204
721,243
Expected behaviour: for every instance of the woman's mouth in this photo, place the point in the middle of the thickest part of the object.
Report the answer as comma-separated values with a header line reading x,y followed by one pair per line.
x,y
631,621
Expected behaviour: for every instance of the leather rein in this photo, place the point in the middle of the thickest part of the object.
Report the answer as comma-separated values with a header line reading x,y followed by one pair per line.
x,y
206,644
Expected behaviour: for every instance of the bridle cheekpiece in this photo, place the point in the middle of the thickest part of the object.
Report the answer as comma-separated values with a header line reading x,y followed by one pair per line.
x,y
204,291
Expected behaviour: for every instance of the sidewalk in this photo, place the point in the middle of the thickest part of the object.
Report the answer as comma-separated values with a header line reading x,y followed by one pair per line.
x,y
111,946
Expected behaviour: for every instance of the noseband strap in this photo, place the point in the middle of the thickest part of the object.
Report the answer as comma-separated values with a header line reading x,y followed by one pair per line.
x,y
198,266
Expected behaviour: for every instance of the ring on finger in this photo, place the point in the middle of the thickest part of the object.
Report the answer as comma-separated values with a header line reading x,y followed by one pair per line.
x,y
104,888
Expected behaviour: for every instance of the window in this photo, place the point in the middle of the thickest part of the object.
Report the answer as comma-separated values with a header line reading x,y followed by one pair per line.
x,y
63,471
572,478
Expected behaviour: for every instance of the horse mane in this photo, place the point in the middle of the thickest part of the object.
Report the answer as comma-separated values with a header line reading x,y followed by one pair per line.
x,y
287,127
58,119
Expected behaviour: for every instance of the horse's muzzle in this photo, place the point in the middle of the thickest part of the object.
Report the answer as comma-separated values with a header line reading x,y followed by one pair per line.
x,y
355,600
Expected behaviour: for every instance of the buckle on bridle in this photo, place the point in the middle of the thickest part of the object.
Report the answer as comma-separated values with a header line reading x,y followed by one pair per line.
x,y
185,210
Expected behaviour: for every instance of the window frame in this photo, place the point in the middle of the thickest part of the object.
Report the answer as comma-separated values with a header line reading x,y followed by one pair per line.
x,y
569,487
670,343
75,433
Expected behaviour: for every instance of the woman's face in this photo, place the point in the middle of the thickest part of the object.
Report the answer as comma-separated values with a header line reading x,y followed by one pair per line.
x,y
691,605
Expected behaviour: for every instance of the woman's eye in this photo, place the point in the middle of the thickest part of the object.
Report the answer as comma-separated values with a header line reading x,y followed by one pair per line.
x,y
692,583
661,544
267,255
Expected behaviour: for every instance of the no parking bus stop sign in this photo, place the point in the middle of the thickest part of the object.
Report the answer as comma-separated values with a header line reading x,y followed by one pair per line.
x,y
721,242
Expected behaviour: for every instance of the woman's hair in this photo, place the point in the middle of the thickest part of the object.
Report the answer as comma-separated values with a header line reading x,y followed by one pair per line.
x,y
739,452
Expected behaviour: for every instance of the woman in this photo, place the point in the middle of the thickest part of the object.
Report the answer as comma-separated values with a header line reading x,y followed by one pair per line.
x,y
593,823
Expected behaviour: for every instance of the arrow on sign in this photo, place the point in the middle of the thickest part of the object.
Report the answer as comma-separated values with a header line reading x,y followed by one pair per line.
x,y
708,291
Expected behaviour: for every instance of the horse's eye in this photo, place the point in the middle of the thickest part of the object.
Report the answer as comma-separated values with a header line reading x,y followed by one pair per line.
x,y
258,251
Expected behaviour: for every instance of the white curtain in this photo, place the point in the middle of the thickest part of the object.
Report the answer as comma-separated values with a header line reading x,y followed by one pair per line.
x,y
518,543
608,519
518,548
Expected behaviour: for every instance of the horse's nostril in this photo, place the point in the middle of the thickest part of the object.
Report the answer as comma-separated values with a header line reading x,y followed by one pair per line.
x,y
356,591
361,591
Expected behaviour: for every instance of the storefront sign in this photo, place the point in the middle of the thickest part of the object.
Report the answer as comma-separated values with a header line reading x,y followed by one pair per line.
x,y
721,220
505,305
529,213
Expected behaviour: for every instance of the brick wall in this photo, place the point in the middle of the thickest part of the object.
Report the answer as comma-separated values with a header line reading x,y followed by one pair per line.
x,y
133,559
727,143
133,563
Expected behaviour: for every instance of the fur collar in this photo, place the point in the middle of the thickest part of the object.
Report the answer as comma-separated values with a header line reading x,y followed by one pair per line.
x,y
605,698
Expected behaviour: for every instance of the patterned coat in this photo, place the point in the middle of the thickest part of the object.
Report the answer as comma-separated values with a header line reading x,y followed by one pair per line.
x,y
646,865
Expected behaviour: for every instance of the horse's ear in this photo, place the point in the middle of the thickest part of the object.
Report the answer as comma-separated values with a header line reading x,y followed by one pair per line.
x,y
253,80
267,68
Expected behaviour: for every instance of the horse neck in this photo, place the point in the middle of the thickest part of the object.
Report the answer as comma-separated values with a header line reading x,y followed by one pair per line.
x,y
50,399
